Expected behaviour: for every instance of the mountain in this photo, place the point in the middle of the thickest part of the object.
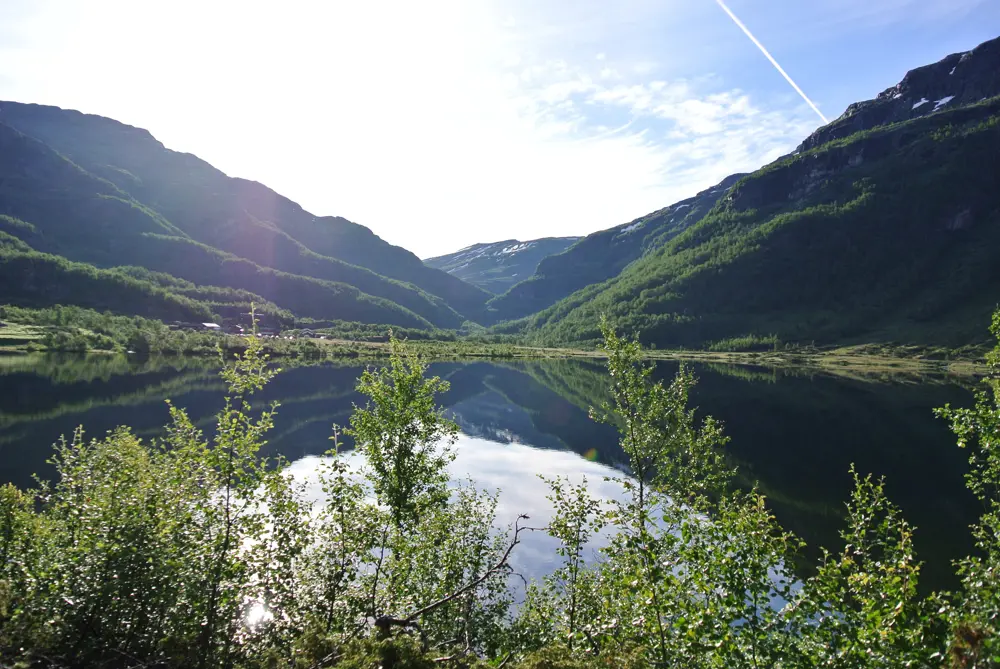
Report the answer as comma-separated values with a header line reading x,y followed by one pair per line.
x,y
955,81
498,266
602,255
100,192
883,226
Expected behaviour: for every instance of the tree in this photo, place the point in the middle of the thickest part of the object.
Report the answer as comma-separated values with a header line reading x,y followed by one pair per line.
x,y
405,437
975,618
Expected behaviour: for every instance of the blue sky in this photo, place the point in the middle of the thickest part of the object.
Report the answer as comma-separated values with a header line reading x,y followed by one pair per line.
x,y
447,122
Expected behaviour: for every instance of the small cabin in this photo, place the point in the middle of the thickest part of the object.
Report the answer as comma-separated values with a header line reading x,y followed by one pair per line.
x,y
211,327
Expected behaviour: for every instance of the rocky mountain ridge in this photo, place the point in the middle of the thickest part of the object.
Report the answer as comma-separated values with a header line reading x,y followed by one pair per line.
x,y
957,80
497,266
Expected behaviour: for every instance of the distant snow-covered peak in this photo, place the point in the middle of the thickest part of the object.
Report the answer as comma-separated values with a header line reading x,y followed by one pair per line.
x,y
516,248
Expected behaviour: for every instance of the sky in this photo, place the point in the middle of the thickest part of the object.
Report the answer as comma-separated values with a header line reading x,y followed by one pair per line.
x,y
443,123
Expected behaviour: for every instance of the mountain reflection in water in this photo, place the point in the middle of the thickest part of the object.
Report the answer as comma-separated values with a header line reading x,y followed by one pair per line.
x,y
794,435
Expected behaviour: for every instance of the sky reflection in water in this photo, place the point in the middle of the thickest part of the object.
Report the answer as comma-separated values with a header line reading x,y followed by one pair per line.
x,y
512,469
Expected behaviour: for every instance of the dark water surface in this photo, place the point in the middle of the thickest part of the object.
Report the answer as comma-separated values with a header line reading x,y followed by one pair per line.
x,y
795,435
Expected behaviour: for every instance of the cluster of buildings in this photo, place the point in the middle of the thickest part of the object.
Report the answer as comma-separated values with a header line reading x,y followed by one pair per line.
x,y
228,328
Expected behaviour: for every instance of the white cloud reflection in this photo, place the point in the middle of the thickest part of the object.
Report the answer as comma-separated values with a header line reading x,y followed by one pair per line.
x,y
512,470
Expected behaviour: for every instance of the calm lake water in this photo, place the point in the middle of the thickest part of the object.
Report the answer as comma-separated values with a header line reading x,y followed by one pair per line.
x,y
793,434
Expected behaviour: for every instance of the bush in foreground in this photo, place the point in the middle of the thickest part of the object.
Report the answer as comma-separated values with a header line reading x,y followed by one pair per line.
x,y
195,552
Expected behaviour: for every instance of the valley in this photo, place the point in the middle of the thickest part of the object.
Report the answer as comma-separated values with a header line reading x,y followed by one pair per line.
x,y
878,229
236,433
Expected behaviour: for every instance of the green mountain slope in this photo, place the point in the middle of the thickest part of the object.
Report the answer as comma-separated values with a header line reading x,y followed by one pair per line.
x,y
90,219
35,279
879,226
890,234
498,266
602,255
235,215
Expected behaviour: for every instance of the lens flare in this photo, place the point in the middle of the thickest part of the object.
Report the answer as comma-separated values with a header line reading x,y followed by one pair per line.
x,y
591,455
767,54
258,615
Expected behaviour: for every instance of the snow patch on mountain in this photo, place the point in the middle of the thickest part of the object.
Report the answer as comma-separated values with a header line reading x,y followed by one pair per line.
x,y
943,101
516,248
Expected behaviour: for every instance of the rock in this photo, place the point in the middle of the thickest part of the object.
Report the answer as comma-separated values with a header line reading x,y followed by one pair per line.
x,y
959,79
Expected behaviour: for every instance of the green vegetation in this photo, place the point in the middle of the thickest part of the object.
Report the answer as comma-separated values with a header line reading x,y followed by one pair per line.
x,y
306,296
371,332
222,281
601,256
746,343
74,328
405,438
95,191
19,334
884,236
198,552
37,280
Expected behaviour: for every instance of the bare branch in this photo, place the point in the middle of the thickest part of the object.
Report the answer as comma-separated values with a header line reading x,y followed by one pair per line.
x,y
476,583
378,570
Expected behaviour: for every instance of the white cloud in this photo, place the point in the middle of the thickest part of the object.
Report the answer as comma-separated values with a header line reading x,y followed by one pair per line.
x,y
436,124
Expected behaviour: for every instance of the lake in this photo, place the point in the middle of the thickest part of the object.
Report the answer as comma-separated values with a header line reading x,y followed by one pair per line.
x,y
794,434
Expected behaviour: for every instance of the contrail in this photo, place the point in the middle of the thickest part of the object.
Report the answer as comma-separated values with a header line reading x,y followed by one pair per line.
x,y
771,58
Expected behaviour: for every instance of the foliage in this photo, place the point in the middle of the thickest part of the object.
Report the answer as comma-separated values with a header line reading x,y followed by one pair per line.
x,y
190,551
34,279
751,342
355,331
73,328
975,641
400,432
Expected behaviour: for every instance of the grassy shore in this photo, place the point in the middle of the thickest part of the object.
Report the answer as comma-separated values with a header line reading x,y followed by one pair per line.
x,y
837,362
17,336
862,360
841,361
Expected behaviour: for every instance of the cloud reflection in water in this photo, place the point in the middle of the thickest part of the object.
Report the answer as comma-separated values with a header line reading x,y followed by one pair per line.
x,y
512,469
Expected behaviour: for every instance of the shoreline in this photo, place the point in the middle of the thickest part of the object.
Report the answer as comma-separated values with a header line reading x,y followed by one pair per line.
x,y
840,362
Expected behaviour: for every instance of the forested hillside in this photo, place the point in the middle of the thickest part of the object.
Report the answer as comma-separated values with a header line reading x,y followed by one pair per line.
x,y
887,234
881,227
498,266
602,255
107,194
